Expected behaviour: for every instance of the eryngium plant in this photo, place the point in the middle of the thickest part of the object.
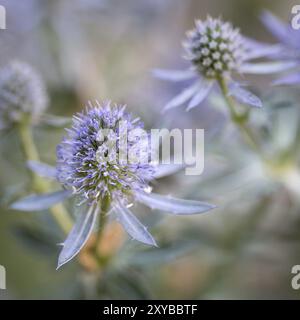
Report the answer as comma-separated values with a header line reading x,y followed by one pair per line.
x,y
103,186
216,50
22,94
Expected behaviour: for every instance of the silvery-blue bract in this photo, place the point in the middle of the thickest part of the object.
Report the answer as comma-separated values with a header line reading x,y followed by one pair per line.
x,y
289,49
216,50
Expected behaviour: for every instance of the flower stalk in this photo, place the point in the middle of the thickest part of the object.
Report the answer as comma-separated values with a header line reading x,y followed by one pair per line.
x,y
104,209
39,185
239,119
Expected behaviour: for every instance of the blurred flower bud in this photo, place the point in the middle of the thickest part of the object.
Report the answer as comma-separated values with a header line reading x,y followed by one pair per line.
x,y
215,47
22,94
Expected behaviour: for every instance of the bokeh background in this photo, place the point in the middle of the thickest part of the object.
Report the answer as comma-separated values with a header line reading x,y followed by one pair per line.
x,y
106,49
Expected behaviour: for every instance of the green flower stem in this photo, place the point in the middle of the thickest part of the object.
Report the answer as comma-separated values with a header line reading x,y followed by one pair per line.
x,y
282,171
239,119
285,170
30,152
105,206
40,185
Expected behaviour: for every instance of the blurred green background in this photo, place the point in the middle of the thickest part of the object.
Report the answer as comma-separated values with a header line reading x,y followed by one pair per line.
x,y
106,49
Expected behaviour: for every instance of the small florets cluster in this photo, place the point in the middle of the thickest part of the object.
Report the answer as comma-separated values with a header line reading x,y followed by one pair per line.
x,y
214,47
89,158
22,93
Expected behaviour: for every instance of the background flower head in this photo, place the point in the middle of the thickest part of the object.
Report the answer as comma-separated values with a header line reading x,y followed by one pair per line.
x,y
217,51
215,48
289,47
22,93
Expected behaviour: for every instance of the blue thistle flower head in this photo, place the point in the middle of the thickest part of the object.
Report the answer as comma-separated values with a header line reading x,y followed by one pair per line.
x,y
22,93
215,48
88,158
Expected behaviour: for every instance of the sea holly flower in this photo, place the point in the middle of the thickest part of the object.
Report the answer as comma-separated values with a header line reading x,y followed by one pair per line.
x,y
89,167
86,158
216,50
22,94
290,46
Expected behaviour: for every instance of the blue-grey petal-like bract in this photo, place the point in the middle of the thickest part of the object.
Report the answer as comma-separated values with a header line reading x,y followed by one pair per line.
x,y
79,235
55,121
173,205
244,96
200,96
290,42
164,170
262,51
42,169
182,97
132,225
267,67
37,202
174,75
288,79
279,29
